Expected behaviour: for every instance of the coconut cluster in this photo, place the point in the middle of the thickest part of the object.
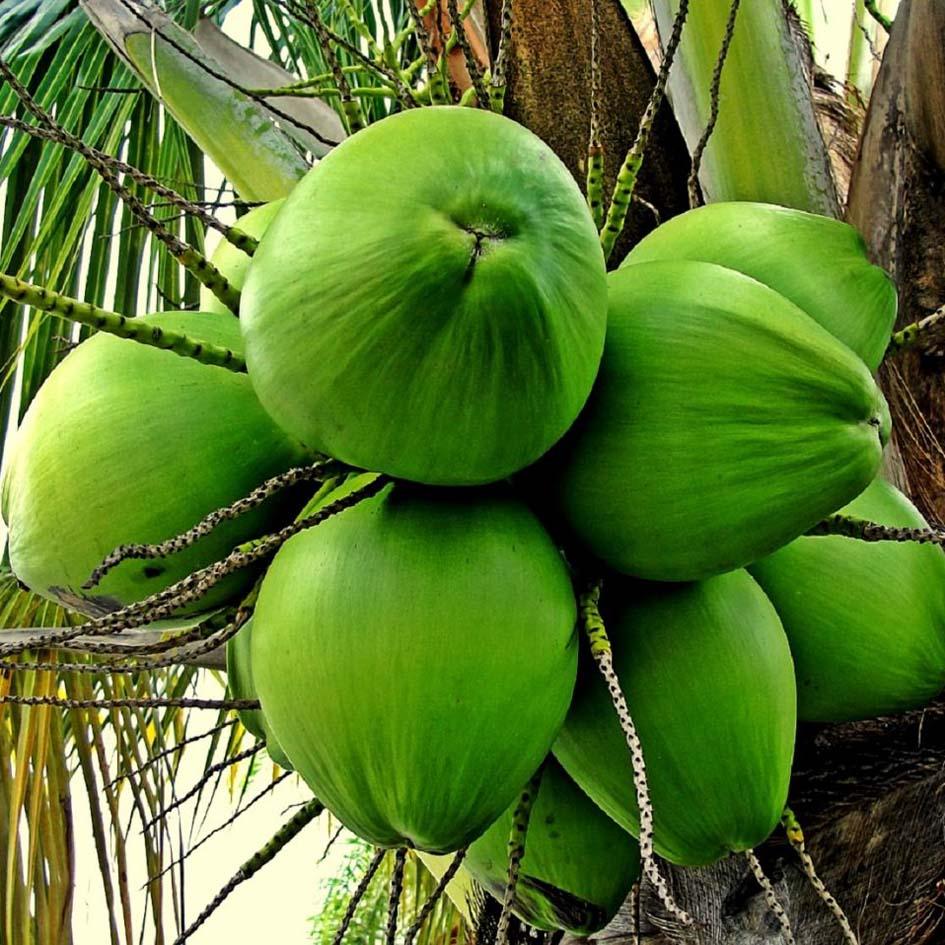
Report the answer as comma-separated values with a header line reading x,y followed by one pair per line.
x,y
431,307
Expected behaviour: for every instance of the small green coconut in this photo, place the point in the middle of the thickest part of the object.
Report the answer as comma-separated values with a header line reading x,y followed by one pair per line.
x,y
819,263
865,620
579,865
240,685
415,656
126,443
725,422
233,263
430,301
708,676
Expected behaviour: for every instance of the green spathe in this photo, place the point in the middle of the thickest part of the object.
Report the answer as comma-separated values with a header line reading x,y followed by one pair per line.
x,y
415,656
578,866
865,620
240,685
233,263
125,443
819,263
430,301
724,423
707,674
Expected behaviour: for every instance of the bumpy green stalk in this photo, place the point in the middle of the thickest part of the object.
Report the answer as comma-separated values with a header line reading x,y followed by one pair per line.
x,y
795,836
396,890
256,862
472,66
143,332
630,169
595,150
601,651
358,895
497,84
850,527
916,333
874,11
435,896
771,899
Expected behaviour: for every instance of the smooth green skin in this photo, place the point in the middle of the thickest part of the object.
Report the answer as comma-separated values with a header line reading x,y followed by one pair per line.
x,y
819,263
708,676
127,443
233,263
865,620
724,423
377,333
415,656
578,865
240,685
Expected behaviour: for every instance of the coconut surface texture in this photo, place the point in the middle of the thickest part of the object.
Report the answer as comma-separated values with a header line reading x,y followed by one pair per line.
x,y
126,443
819,263
707,674
724,423
415,656
233,263
578,866
430,301
865,620
240,685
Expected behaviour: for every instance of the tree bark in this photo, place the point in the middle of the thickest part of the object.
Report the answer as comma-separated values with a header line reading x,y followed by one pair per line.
x,y
549,91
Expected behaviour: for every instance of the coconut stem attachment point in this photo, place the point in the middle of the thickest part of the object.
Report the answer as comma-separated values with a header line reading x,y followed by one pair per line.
x,y
301,819
269,488
795,836
771,899
85,313
358,895
603,657
863,530
630,169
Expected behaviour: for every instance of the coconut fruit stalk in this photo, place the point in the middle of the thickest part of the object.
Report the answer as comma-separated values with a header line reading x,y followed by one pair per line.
x,y
444,326
579,865
415,656
708,676
865,620
131,444
817,262
725,422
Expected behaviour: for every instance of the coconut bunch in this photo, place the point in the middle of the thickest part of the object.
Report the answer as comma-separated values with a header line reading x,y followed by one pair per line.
x,y
511,446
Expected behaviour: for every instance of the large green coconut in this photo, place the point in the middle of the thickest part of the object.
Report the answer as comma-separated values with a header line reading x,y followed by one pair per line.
x,y
724,423
865,620
415,656
430,301
578,866
819,263
126,443
240,685
708,676
233,263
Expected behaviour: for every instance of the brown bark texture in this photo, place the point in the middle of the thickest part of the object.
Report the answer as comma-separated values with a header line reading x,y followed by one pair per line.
x,y
549,91
871,796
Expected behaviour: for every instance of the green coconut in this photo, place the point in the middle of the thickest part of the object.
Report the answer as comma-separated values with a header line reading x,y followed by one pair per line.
x,y
415,656
724,423
708,677
865,620
234,263
126,443
578,866
819,263
240,685
430,301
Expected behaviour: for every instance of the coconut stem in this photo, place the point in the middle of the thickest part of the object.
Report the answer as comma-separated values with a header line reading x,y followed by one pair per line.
x,y
693,183
396,891
850,527
795,836
111,322
232,234
595,150
291,829
603,657
194,262
917,333
472,64
435,896
260,494
630,169
516,848
770,898
874,11
358,895
144,702
438,95
498,81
